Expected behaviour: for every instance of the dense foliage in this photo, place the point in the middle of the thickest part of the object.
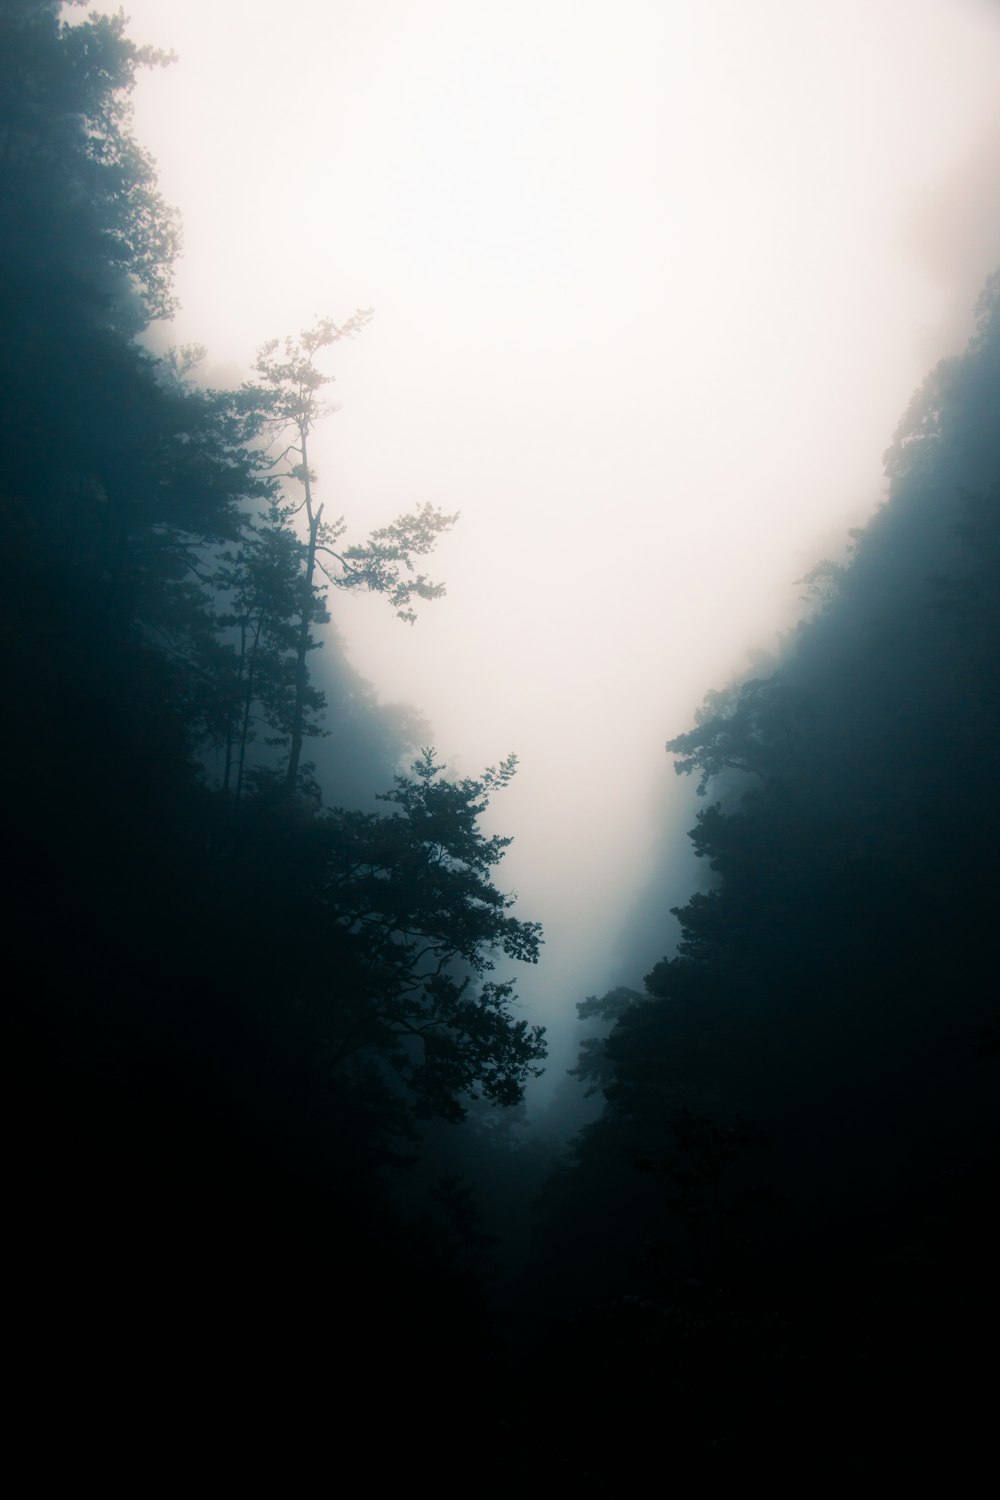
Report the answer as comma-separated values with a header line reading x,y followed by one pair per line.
x,y
230,1003
791,1194
247,988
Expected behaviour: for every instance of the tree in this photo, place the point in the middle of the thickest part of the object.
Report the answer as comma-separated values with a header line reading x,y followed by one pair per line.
x,y
121,476
91,226
291,383
373,942
594,1068
262,580
756,727
412,895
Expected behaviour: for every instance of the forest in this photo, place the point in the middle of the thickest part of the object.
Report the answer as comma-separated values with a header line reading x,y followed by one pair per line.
x,y
274,1196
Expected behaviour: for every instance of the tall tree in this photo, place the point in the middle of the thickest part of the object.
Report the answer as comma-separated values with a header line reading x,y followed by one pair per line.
x,y
262,580
291,386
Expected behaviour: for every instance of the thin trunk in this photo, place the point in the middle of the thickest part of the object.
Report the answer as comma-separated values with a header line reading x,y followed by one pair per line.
x,y
302,643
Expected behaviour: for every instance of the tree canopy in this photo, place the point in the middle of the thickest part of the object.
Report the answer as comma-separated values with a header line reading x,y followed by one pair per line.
x,y
236,1000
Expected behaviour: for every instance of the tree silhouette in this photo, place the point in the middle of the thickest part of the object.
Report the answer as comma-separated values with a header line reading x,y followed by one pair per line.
x,y
290,393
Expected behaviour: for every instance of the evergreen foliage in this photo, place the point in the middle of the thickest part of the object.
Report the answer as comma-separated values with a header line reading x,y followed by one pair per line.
x,y
237,1013
792,1191
229,1004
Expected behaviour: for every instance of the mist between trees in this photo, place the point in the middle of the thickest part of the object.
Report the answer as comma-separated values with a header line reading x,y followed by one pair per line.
x,y
273,1166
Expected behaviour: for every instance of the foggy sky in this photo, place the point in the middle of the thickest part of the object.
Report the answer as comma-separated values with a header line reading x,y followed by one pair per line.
x,y
653,284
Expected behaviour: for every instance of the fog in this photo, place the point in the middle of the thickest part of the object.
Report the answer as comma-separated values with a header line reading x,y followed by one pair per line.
x,y
652,284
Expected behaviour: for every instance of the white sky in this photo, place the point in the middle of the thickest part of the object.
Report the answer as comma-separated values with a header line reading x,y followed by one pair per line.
x,y
652,282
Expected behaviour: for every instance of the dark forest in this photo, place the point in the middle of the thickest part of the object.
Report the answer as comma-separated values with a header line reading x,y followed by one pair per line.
x,y
275,1198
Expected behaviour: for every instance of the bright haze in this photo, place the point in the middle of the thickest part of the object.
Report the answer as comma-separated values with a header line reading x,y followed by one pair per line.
x,y
652,285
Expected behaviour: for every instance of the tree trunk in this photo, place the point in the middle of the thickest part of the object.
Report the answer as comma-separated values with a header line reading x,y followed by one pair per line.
x,y
303,641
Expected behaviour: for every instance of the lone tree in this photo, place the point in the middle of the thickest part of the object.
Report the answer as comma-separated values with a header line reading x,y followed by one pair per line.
x,y
421,923
290,390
